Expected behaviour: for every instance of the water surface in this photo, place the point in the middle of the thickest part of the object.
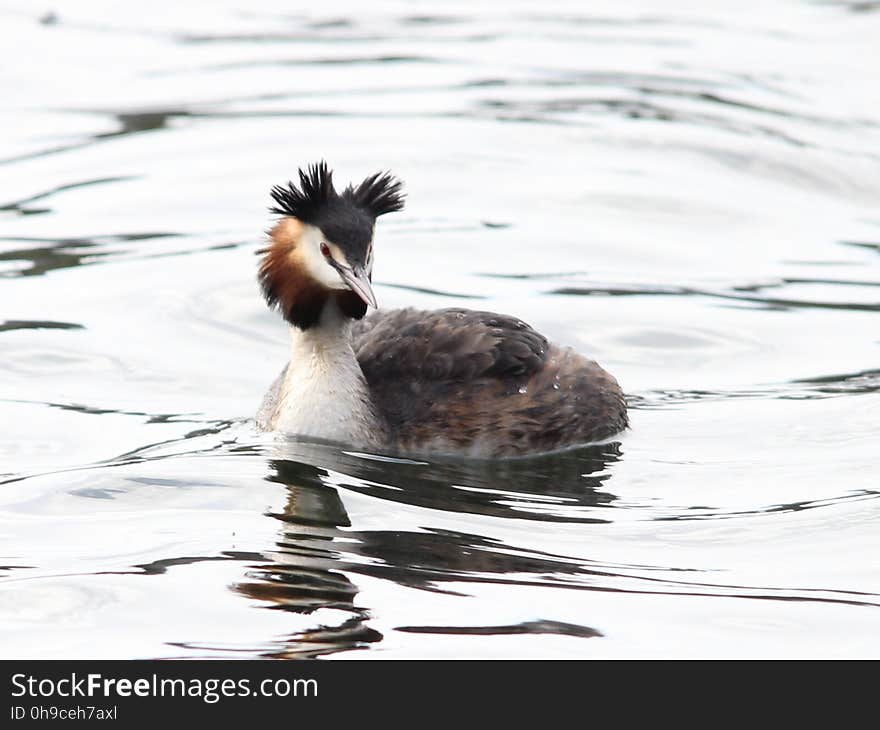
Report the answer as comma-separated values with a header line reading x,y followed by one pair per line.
x,y
687,194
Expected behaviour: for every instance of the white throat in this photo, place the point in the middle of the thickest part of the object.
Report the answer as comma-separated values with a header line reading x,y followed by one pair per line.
x,y
324,394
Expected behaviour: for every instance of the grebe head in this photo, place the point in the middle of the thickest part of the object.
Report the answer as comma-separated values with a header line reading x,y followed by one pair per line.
x,y
323,245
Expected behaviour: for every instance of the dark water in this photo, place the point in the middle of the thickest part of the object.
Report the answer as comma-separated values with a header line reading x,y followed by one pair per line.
x,y
688,194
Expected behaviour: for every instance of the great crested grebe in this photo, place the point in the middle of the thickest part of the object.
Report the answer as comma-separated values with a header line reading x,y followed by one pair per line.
x,y
450,381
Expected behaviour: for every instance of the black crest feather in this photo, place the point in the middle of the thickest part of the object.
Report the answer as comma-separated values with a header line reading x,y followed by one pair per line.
x,y
379,194
315,191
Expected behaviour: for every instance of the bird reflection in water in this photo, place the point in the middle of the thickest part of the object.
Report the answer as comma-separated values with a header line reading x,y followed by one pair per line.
x,y
319,555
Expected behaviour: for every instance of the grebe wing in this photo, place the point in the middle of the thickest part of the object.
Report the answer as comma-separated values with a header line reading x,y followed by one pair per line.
x,y
481,384
446,345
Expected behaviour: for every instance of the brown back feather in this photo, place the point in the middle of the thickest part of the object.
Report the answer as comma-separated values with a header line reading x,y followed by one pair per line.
x,y
453,379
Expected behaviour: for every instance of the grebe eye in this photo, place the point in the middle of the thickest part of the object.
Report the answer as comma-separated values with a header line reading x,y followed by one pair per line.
x,y
325,250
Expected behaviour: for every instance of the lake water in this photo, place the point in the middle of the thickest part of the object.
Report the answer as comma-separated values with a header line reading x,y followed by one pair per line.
x,y
686,192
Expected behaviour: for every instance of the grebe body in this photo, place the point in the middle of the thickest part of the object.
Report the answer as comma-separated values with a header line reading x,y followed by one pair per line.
x,y
405,381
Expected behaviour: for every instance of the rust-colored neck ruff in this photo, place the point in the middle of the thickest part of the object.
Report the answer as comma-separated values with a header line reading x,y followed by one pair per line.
x,y
288,285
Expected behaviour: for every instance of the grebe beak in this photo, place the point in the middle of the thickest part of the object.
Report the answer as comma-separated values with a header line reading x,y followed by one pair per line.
x,y
359,282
